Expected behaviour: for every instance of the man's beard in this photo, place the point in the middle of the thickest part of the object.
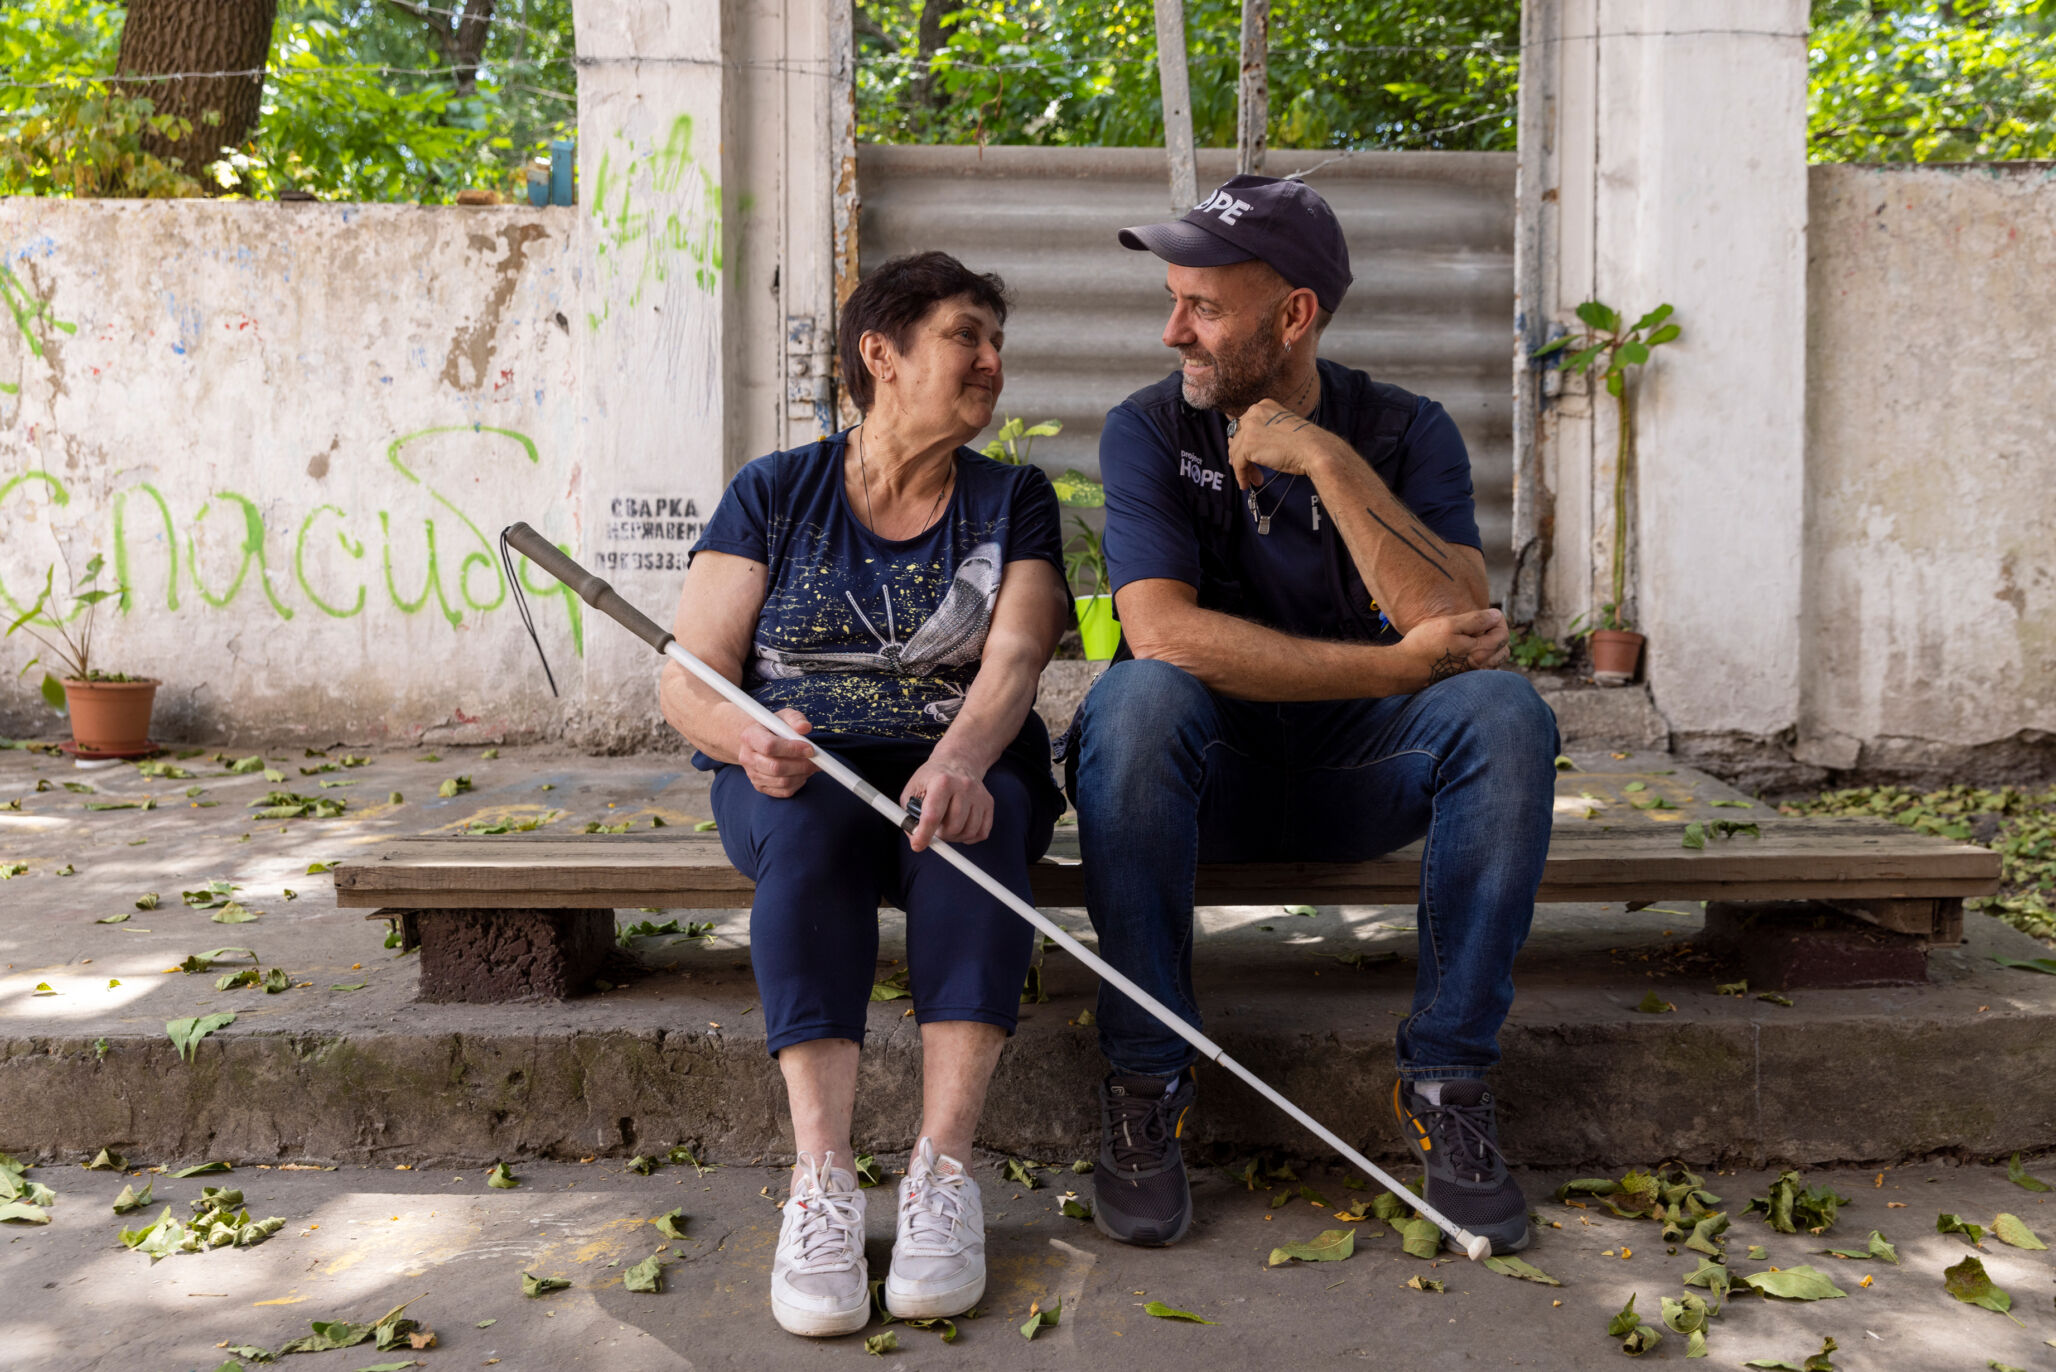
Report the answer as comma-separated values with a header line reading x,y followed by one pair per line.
x,y
1242,373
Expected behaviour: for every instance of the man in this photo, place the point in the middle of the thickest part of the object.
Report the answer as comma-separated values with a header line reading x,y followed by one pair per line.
x,y
1296,568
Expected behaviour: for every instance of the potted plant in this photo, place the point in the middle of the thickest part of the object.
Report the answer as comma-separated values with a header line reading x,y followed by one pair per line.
x,y
1084,562
1605,344
110,711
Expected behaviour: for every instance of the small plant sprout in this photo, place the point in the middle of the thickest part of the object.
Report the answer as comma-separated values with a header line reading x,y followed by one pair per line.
x,y
1609,348
71,647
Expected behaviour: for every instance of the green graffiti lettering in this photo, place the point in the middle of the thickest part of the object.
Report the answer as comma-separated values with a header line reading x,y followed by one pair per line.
x,y
482,597
28,311
348,545
636,246
434,583
472,561
121,548
670,162
252,550
58,496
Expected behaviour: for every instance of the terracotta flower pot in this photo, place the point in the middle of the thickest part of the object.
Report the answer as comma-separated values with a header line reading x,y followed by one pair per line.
x,y
1615,655
1097,628
111,718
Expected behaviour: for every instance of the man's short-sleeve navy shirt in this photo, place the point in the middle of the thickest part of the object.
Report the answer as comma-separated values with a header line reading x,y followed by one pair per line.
x,y
1173,509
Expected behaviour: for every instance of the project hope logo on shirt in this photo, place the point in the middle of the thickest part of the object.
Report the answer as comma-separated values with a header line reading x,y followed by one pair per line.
x,y
1209,478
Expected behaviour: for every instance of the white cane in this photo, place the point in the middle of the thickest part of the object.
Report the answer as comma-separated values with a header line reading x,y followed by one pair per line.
x,y
607,601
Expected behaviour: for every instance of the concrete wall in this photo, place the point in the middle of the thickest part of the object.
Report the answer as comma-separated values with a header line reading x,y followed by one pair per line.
x,y
1930,621
293,431
1664,160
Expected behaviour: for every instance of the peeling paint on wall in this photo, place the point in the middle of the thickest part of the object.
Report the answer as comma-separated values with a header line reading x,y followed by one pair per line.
x,y
294,431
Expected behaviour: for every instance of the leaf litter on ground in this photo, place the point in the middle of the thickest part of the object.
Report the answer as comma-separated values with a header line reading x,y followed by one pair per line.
x,y
2010,1230
1165,1312
1790,1208
1818,1362
185,1034
1876,1247
1803,1283
1636,1337
1040,1319
2016,1174
1968,1282
1330,1245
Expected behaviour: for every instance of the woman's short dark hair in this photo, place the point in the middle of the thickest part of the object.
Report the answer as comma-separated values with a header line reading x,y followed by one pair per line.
x,y
895,298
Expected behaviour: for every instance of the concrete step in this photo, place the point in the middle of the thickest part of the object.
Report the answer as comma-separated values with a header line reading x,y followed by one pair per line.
x,y
1871,1075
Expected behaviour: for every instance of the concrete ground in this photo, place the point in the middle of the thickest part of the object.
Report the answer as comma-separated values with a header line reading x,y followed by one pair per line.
x,y
359,1241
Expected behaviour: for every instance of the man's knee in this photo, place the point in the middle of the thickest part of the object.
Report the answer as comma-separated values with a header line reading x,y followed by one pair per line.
x,y
1141,697
1501,711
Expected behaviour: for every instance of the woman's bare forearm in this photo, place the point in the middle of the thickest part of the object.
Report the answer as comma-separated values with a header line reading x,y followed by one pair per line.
x,y
1026,624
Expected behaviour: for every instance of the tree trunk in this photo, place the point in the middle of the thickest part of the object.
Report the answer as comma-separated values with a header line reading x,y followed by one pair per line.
x,y
459,45
929,41
169,37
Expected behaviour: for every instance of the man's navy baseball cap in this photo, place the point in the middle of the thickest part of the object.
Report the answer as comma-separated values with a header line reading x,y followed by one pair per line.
x,y
1284,223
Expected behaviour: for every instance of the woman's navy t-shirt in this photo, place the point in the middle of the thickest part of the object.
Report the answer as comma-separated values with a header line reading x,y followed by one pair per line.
x,y
876,640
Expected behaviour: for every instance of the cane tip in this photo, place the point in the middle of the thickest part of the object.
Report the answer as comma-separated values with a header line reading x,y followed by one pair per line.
x,y
1477,1247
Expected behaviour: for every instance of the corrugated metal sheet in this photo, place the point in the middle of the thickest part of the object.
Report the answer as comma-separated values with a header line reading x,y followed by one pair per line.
x,y
1430,239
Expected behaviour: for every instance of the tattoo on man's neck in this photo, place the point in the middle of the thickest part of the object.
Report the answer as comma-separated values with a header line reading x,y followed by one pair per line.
x,y
1300,394
1451,664
1409,543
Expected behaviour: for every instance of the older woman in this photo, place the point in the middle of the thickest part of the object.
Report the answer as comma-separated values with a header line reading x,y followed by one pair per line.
x,y
894,596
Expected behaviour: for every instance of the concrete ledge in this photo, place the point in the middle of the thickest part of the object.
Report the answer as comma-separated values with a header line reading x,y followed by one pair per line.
x,y
1853,1075
1595,716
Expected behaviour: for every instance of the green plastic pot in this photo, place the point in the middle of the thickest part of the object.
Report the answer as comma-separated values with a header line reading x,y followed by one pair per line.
x,y
1097,626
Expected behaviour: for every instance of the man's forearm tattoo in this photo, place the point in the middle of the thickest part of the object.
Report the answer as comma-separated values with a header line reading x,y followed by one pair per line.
x,y
1427,539
1450,665
1444,571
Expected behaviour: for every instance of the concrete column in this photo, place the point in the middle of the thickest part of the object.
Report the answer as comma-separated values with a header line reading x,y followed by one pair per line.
x,y
651,329
791,160
1672,167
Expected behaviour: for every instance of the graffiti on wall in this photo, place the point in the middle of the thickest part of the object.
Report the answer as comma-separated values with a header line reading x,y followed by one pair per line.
x,y
656,211
32,316
323,567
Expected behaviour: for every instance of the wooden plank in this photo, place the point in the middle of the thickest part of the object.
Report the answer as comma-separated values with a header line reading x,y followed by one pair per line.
x,y
1795,859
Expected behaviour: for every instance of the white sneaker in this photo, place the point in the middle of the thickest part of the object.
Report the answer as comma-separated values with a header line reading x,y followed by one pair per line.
x,y
938,1261
820,1285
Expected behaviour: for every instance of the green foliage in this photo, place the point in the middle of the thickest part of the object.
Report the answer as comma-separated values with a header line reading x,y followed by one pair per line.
x,y
70,647
1914,81
1016,438
1610,347
358,105
1085,562
2020,825
1397,73
1532,651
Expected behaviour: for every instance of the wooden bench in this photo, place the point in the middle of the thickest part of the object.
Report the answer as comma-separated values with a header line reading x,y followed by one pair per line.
x,y
525,915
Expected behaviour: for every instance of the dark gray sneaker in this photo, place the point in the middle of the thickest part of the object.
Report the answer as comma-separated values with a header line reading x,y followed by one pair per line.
x,y
1457,1142
1139,1191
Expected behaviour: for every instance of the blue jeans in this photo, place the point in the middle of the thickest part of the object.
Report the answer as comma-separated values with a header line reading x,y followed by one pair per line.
x,y
822,860
1168,772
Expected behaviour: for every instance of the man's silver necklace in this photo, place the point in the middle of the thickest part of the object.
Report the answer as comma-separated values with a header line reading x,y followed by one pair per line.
x,y
865,472
1263,521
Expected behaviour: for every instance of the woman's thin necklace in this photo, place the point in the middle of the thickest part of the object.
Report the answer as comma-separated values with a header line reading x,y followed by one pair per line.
x,y
865,472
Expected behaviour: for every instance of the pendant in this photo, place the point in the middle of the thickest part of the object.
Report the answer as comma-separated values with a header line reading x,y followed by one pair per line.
x,y
1263,521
